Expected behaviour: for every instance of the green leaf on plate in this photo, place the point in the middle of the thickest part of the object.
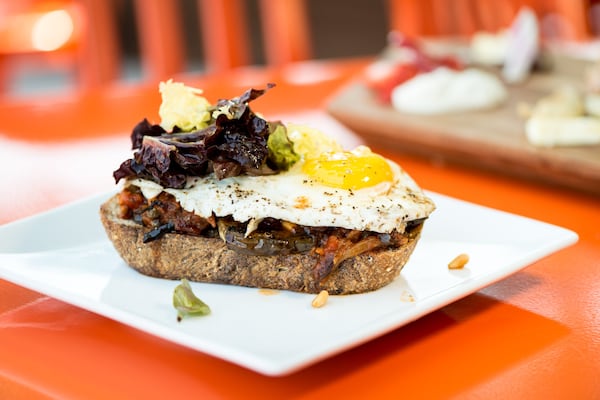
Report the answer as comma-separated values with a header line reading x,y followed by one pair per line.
x,y
186,303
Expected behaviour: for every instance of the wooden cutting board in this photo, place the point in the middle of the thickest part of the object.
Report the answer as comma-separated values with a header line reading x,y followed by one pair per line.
x,y
492,139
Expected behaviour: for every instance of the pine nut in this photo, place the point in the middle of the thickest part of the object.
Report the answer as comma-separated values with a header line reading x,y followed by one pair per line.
x,y
459,261
321,299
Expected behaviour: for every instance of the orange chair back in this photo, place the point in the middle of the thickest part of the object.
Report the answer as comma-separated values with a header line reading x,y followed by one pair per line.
x,y
224,33
564,19
94,50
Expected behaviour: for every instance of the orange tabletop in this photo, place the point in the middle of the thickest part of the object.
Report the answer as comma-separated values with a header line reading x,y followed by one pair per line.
x,y
532,335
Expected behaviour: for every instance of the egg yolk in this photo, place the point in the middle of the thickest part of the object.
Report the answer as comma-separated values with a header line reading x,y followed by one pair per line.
x,y
354,170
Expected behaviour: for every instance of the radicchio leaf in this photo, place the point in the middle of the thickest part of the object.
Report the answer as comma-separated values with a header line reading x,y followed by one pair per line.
x,y
235,143
144,128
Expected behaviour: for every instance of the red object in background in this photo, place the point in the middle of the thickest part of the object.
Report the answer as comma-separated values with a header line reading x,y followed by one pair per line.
x,y
385,78
385,75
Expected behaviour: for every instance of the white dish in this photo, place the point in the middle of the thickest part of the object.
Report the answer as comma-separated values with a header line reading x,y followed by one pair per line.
x,y
64,253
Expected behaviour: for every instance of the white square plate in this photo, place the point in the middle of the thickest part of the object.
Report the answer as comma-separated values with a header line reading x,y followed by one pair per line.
x,y
65,254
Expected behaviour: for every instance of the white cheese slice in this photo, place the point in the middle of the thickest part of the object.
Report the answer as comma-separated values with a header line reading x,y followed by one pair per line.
x,y
592,104
546,131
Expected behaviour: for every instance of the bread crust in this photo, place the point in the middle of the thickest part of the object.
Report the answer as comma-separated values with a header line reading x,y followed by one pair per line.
x,y
178,256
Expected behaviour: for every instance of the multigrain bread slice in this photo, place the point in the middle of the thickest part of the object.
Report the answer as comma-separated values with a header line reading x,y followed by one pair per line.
x,y
178,256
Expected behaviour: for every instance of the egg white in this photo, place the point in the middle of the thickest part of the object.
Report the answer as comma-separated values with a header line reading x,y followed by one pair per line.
x,y
295,197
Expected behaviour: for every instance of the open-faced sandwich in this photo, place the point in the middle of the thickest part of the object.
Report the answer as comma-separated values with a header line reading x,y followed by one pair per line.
x,y
216,193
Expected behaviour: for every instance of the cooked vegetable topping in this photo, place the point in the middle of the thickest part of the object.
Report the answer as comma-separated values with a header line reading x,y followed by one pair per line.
x,y
158,231
186,303
269,237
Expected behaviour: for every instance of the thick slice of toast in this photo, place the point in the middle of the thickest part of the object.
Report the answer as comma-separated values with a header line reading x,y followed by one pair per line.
x,y
178,256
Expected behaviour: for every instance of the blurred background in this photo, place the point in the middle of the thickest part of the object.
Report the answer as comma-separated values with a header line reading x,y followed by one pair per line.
x,y
55,45
338,28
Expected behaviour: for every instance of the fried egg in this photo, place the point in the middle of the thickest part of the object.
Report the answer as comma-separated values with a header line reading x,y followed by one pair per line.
x,y
354,190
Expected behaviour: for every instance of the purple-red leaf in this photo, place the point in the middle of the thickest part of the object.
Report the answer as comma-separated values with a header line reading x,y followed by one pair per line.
x,y
227,147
